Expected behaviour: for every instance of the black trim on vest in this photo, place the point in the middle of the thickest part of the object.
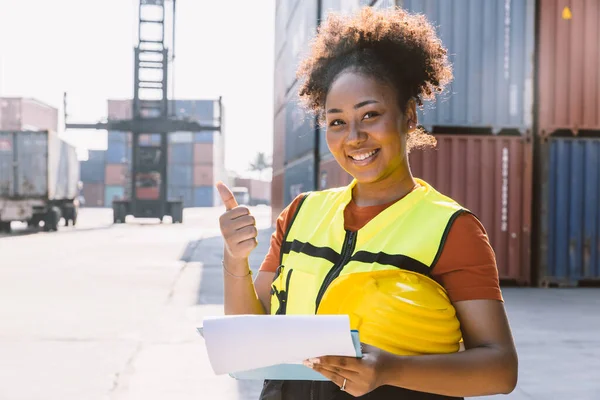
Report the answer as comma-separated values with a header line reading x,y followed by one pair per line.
x,y
445,235
396,260
289,228
320,252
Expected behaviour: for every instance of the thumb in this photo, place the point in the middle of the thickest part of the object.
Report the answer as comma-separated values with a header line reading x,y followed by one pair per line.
x,y
226,195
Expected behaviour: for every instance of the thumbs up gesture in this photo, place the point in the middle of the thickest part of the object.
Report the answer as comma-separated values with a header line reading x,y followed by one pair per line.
x,y
238,227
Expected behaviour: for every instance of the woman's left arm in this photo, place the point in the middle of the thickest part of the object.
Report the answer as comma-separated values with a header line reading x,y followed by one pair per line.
x,y
488,365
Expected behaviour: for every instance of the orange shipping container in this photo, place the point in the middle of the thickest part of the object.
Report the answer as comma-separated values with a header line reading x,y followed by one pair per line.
x,y
203,175
18,113
331,175
569,65
203,153
120,109
279,141
93,194
116,174
492,177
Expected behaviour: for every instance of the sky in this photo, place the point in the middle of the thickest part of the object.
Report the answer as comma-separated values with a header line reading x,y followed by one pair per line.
x,y
85,48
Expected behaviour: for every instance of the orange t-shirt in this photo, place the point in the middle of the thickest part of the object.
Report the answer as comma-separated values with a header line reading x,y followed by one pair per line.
x,y
466,268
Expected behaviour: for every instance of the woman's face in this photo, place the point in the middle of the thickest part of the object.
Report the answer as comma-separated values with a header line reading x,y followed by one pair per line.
x,y
366,130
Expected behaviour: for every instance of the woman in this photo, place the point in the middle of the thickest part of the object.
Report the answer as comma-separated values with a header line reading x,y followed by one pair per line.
x,y
365,76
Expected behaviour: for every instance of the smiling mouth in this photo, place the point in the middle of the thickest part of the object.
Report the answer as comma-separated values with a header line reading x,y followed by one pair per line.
x,y
362,157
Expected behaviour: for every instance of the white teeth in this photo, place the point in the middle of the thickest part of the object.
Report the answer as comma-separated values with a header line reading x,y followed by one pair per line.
x,y
361,157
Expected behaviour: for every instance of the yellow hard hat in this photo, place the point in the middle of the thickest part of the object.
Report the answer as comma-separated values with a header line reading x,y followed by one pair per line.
x,y
398,311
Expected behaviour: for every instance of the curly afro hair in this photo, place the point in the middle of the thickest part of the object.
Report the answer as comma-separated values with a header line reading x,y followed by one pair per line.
x,y
391,45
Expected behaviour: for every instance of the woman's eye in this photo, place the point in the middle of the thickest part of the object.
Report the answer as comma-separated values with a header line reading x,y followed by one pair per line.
x,y
370,114
336,122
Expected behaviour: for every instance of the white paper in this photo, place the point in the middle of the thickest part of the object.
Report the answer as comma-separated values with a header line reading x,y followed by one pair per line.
x,y
244,342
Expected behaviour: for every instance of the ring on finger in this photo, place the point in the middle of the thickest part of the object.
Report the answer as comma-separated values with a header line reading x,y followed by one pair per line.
x,y
343,387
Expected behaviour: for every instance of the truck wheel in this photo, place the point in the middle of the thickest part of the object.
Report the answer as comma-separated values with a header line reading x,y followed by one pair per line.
x,y
5,227
52,219
74,217
118,213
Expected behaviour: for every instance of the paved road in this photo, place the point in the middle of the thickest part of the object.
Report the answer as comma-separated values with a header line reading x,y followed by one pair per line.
x,y
109,312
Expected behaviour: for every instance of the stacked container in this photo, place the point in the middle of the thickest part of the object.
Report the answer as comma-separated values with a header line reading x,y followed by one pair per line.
x,y
195,160
24,114
569,143
92,173
491,47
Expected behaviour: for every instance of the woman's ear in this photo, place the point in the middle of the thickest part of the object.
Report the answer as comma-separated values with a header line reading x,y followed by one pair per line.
x,y
411,115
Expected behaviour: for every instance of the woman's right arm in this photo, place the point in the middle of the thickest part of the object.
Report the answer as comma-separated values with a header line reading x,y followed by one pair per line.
x,y
238,227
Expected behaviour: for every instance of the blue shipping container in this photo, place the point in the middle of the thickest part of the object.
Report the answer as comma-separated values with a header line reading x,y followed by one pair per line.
x,y
299,129
204,137
96,156
181,153
118,136
91,171
298,178
491,48
113,193
198,110
186,194
203,196
180,175
118,153
573,207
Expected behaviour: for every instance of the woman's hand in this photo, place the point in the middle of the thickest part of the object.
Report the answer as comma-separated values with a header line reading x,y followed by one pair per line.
x,y
357,376
238,226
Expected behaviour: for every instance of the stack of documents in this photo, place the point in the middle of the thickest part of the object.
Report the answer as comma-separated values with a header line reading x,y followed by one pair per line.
x,y
274,346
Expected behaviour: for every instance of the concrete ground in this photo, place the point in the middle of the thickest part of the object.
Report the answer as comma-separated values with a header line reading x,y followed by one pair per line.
x,y
109,312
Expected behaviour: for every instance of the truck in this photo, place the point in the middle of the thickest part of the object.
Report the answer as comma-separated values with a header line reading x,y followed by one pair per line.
x,y
39,180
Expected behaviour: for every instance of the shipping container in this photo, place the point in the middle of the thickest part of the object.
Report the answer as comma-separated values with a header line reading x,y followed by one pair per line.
x,y
279,142
299,129
331,175
323,148
491,48
93,194
118,153
20,114
204,196
113,193
181,137
204,137
492,177
277,204
92,171
203,153
258,190
152,139
37,165
279,84
203,111
180,153
120,109
570,212
281,14
341,6
569,65
180,175
183,193
383,3
96,156
203,175
118,136
300,29
298,178
117,174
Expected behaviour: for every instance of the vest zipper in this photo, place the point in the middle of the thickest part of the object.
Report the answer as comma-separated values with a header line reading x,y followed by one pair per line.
x,y
334,272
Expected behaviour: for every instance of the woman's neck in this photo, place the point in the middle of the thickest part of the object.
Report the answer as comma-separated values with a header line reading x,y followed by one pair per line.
x,y
384,191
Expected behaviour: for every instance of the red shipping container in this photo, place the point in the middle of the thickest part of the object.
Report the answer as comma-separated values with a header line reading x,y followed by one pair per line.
x,y
116,174
277,205
203,153
259,191
279,142
203,175
120,109
18,113
569,65
492,177
93,194
331,175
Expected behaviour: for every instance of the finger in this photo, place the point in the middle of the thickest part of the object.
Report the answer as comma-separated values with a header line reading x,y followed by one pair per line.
x,y
335,377
245,233
340,362
226,196
243,221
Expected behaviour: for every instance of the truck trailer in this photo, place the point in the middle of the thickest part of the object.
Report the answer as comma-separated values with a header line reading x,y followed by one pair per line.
x,y
39,179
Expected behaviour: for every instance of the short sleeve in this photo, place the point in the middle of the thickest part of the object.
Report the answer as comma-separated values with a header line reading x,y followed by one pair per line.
x,y
467,265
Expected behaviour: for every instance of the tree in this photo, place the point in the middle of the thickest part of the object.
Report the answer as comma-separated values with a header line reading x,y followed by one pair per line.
x,y
260,163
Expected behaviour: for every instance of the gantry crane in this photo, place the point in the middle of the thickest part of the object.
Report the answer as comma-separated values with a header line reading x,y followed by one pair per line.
x,y
148,198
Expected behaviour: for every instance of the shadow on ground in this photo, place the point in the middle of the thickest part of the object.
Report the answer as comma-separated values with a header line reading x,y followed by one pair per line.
x,y
209,252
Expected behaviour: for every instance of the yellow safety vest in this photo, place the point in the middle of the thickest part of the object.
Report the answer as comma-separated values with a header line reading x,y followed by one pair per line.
x,y
316,249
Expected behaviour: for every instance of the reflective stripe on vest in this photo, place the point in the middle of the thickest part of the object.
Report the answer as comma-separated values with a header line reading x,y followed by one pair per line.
x,y
317,249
